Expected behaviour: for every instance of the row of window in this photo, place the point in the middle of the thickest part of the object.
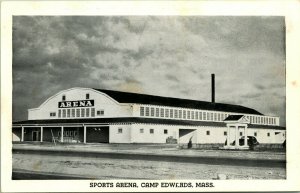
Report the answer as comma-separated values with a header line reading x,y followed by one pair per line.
x,y
151,131
198,115
77,112
87,96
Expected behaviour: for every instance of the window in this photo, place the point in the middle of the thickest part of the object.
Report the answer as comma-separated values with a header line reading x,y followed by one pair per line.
x,y
120,130
77,112
64,113
200,115
165,131
162,112
82,112
171,113
184,114
93,112
208,116
156,112
188,114
147,111
141,130
215,117
52,114
268,134
241,133
207,132
151,131
180,114
152,112
196,115
255,134
219,117
142,111
204,115
193,115
175,113
87,96
63,97
225,133
100,112
68,112
87,112
73,112
59,113
167,113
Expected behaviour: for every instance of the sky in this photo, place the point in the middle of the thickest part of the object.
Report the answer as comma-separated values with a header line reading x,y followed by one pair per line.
x,y
171,56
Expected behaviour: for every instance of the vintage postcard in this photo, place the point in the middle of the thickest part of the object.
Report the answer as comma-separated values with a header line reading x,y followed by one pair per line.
x,y
149,96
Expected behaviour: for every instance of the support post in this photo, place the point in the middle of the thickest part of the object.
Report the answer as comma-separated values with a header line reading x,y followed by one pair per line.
x,y
228,136
62,135
246,136
237,137
84,134
22,133
42,130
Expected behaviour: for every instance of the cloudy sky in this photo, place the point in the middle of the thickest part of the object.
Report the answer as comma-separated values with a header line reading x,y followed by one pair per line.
x,y
168,56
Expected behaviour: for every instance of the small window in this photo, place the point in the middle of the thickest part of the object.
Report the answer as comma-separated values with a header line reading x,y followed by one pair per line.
x,y
176,114
255,134
73,112
64,113
207,132
93,112
141,130
225,133
53,114
100,112
184,114
151,131
167,113
63,97
87,96
59,113
142,111
180,114
171,113
200,115
77,112
82,112
87,112
152,112
120,130
162,112
156,112
268,134
147,111
165,131
68,112
241,133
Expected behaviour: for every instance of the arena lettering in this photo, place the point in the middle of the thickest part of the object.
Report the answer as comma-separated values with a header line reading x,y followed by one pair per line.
x,y
70,104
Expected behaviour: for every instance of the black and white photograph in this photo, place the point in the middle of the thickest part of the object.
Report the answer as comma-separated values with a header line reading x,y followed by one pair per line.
x,y
148,102
149,97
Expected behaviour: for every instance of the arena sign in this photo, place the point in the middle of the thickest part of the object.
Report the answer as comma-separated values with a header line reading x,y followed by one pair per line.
x,y
70,104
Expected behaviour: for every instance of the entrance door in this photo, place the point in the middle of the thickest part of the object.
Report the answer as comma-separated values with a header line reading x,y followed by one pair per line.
x,y
35,136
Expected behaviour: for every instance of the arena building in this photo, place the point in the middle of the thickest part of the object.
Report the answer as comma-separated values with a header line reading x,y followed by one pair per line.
x,y
87,115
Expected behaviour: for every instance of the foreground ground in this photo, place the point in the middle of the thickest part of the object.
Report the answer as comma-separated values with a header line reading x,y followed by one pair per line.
x,y
127,168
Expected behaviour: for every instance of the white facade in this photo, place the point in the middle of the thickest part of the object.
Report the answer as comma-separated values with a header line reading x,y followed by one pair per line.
x,y
90,104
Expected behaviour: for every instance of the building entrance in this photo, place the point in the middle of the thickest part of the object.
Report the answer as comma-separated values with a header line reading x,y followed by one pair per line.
x,y
36,136
97,134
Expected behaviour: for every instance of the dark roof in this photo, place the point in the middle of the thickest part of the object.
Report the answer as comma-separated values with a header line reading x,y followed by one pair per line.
x,y
134,120
233,117
126,97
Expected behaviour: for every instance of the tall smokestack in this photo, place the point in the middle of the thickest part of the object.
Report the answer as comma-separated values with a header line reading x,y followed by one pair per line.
x,y
212,88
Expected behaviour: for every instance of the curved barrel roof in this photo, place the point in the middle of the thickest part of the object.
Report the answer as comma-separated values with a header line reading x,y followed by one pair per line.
x,y
135,98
